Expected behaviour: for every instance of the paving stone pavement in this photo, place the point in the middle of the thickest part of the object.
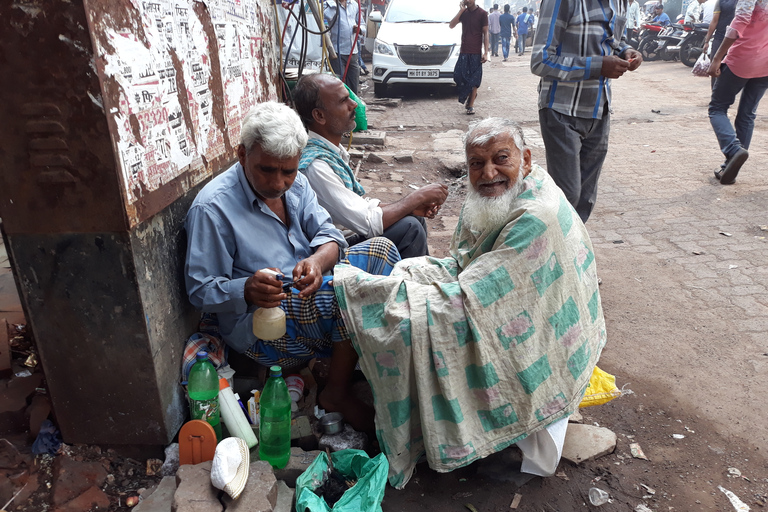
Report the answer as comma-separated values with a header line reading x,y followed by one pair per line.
x,y
682,257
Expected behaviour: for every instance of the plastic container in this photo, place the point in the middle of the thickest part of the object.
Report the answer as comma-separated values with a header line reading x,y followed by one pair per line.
x,y
269,323
254,404
275,421
295,387
598,497
233,416
203,389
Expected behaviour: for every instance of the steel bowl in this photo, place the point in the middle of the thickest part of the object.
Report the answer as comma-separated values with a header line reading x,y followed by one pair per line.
x,y
332,423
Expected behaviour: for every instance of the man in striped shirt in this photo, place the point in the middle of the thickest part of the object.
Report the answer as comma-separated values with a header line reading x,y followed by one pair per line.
x,y
580,45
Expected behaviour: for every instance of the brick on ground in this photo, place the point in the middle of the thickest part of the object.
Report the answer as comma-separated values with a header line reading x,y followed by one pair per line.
x,y
297,464
260,493
73,478
194,491
285,497
161,500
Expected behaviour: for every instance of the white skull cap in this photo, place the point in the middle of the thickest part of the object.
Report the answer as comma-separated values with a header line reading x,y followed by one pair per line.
x,y
231,462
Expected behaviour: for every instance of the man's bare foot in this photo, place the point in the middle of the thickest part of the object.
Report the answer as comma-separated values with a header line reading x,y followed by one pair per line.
x,y
357,413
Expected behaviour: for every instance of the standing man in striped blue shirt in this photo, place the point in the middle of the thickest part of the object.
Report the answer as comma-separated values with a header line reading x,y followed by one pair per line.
x,y
580,45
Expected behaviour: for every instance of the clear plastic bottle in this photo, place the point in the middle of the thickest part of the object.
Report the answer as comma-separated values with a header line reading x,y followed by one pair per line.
x,y
203,389
275,421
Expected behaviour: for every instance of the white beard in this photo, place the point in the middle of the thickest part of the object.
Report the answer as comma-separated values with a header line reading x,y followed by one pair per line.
x,y
482,213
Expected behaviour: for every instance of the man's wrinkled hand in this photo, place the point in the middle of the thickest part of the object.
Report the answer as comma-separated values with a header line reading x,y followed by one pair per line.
x,y
264,290
307,277
433,194
614,66
634,58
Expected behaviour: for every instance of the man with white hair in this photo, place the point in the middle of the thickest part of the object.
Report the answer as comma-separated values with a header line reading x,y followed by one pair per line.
x,y
493,345
262,214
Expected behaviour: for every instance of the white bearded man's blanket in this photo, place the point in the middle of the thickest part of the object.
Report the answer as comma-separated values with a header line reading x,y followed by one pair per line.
x,y
470,354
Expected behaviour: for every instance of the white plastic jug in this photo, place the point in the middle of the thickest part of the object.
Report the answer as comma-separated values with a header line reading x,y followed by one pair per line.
x,y
269,323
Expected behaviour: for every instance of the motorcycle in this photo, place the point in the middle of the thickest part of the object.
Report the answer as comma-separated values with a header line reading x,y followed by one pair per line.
x,y
667,44
649,32
692,44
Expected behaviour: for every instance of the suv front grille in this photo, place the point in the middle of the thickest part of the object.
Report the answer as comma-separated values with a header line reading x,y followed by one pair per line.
x,y
424,55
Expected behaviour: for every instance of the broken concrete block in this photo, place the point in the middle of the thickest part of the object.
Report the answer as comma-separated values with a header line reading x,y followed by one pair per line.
x,y
349,439
284,497
378,158
395,176
302,435
194,491
455,164
355,153
404,157
576,417
161,500
260,493
373,137
73,478
587,442
297,464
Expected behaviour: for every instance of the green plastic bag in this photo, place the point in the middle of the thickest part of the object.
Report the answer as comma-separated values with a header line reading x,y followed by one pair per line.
x,y
365,496
360,117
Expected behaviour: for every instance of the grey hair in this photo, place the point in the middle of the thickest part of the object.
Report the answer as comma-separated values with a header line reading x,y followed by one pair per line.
x,y
482,132
276,128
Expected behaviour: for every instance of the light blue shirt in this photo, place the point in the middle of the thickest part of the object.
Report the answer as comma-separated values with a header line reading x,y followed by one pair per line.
x,y
343,34
231,234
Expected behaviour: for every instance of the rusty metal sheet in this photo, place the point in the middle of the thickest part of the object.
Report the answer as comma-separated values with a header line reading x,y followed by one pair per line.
x,y
177,78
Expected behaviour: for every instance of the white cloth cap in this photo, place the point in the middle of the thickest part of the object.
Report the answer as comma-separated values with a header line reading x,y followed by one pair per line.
x,y
231,462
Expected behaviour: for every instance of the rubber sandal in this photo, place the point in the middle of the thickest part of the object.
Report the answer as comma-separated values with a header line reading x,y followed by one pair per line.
x,y
470,111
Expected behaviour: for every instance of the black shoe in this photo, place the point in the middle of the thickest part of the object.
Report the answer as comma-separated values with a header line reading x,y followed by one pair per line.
x,y
727,175
364,72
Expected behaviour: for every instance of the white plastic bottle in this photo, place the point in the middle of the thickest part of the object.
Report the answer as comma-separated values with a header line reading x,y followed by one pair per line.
x,y
269,323
233,415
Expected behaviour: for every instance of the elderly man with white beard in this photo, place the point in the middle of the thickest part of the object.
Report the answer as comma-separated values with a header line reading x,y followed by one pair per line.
x,y
493,345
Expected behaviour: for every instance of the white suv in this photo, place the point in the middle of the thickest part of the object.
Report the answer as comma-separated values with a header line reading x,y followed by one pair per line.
x,y
415,44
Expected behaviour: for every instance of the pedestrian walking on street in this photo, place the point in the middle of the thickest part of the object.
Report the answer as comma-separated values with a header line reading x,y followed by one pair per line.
x,y
494,29
506,22
744,70
633,20
468,73
576,56
524,22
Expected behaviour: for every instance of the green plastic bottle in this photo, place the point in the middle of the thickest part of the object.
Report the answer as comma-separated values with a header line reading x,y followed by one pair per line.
x,y
275,421
203,389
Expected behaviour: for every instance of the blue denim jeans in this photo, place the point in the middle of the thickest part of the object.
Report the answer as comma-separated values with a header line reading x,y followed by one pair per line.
x,y
505,46
495,38
521,42
732,137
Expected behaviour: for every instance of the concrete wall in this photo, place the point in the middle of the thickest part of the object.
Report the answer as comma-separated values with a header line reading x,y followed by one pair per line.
x,y
115,115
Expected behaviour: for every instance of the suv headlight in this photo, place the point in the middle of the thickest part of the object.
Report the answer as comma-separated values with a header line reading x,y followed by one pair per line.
x,y
382,48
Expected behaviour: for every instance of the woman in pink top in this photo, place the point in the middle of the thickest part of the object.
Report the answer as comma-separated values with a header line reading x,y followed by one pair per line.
x,y
745,70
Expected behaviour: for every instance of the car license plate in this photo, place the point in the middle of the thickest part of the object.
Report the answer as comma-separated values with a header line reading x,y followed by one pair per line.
x,y
423,73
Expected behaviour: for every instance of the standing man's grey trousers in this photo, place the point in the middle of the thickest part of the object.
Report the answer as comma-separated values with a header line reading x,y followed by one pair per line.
x,y
575,149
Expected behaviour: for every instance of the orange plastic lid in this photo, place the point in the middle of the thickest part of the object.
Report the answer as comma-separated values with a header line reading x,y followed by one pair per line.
x,y
223,383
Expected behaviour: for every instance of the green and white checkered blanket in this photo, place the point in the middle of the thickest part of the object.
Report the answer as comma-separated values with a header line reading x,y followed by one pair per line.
x,y
470,354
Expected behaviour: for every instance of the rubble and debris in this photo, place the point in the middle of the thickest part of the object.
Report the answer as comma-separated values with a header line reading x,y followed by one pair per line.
x,y
734,472
637,451
678,436
598,497
516,501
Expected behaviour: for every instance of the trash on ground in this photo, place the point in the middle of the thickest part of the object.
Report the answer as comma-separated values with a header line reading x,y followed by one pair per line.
x,y
636,451
678,436
470,507
642,508
649,490
734,472
131,501
516,501
724,233
698,253
598,497
739,505
562,475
